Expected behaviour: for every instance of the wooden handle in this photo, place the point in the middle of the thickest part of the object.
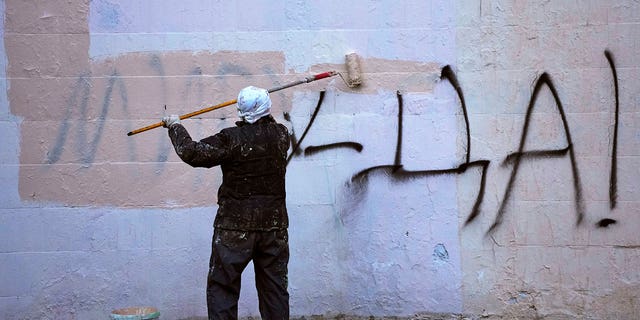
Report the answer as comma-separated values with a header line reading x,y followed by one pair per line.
x,y
185,116
143,129
234,101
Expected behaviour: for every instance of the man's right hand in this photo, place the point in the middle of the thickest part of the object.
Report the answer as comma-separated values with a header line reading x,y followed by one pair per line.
x,y
168,121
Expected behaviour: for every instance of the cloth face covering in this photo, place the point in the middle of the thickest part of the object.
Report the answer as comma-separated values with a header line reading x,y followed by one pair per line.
x,y
253,103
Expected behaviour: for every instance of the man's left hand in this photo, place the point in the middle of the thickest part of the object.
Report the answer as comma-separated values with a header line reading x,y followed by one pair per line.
x,y
168,121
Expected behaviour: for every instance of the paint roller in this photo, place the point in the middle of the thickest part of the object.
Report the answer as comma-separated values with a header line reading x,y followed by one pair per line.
x,y
353,79
354,74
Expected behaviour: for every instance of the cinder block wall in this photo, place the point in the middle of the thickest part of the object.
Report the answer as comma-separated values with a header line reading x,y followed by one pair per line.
x,y
487,166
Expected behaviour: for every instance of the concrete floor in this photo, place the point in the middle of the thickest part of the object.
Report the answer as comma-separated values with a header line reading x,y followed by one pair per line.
x,y
422,316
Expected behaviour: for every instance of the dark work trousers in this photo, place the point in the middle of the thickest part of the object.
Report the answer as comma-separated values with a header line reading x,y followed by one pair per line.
x,y
230,253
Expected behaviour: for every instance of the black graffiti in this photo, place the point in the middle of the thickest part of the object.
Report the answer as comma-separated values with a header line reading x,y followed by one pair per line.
x,y
517,157
315,149
447,73
358,182
613,176
296,144
88,143
310,150
605,222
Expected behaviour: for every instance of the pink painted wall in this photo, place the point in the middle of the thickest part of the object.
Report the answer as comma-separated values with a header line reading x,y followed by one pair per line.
x,y
520,202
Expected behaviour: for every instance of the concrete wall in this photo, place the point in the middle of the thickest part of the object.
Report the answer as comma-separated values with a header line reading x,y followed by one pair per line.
x,y
487,166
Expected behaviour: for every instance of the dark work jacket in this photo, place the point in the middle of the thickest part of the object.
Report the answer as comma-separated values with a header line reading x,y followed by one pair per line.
x,y
253,159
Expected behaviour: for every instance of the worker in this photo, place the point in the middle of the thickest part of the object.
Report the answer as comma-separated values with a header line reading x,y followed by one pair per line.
x,y
251,222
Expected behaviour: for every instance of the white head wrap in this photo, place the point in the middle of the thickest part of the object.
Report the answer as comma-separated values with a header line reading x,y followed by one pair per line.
x,y
253,103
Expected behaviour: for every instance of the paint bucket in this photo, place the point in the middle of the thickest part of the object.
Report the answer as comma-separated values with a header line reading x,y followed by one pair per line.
x,y
135,313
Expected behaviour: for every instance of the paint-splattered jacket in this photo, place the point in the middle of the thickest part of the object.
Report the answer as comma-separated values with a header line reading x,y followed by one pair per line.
x,y
253,159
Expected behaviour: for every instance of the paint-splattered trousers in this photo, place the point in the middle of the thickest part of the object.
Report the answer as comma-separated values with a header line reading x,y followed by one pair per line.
x,y
230,253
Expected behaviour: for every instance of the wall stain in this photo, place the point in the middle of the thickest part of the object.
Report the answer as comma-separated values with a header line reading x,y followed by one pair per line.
x,y
163,148
86,146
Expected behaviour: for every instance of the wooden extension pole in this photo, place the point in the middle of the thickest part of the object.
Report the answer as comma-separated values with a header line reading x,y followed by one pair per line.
x,y
230,102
